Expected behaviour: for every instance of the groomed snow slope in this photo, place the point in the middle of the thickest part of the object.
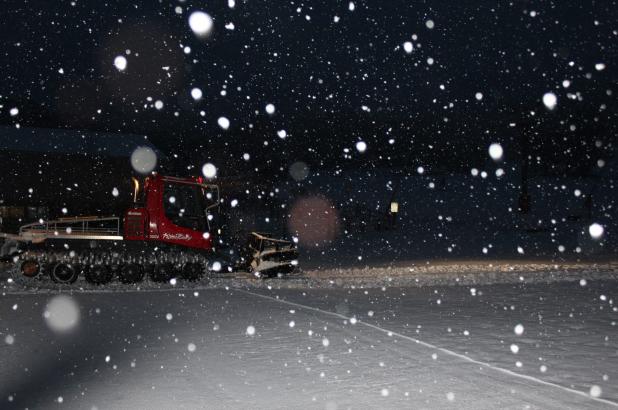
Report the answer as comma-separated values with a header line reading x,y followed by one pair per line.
x,y
423,347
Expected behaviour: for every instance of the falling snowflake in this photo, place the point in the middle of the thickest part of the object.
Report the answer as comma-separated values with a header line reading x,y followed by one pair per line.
x,y
496,151
224,123
595,230
550,100
61,314
200,23
120,63
196,94
143,160
209,170
595,391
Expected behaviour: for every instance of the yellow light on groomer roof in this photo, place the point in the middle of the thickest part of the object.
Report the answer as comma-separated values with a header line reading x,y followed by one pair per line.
x,y
394,207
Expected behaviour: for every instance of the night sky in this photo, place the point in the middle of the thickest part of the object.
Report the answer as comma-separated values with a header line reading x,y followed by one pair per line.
x,y
336,76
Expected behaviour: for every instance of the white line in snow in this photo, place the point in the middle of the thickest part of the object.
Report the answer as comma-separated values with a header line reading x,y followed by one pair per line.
x,y
441,349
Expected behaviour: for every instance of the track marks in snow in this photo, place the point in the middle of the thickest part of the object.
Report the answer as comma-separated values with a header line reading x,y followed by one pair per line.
x,y
440,349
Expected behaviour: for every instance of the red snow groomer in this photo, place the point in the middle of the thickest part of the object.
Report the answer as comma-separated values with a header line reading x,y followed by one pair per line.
x,y
171,230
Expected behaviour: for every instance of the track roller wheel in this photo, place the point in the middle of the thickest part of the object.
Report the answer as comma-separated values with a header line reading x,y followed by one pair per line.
x,y
131,273
30,268
63,273
99,274
162,272
192,271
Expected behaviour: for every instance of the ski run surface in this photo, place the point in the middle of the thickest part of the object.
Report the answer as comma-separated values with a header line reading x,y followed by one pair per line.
x,y
510,345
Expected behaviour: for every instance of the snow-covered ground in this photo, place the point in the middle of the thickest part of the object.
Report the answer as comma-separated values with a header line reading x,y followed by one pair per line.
x,y
337,348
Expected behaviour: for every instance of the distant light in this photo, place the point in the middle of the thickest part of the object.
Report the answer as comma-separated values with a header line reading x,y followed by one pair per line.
x,y
282,134
550,100
394,207
270,109
234,203
120,63
158,104
408,47
361,146
519,329
115,192
478,96
191,347
196,93
14,111
200,23
495,151
246,156
250,330
209,170
599,66
429,24
420,170
231,3
224,123
351,6
596,230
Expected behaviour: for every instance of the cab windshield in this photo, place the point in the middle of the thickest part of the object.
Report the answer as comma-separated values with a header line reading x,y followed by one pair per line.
x,y
190,205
